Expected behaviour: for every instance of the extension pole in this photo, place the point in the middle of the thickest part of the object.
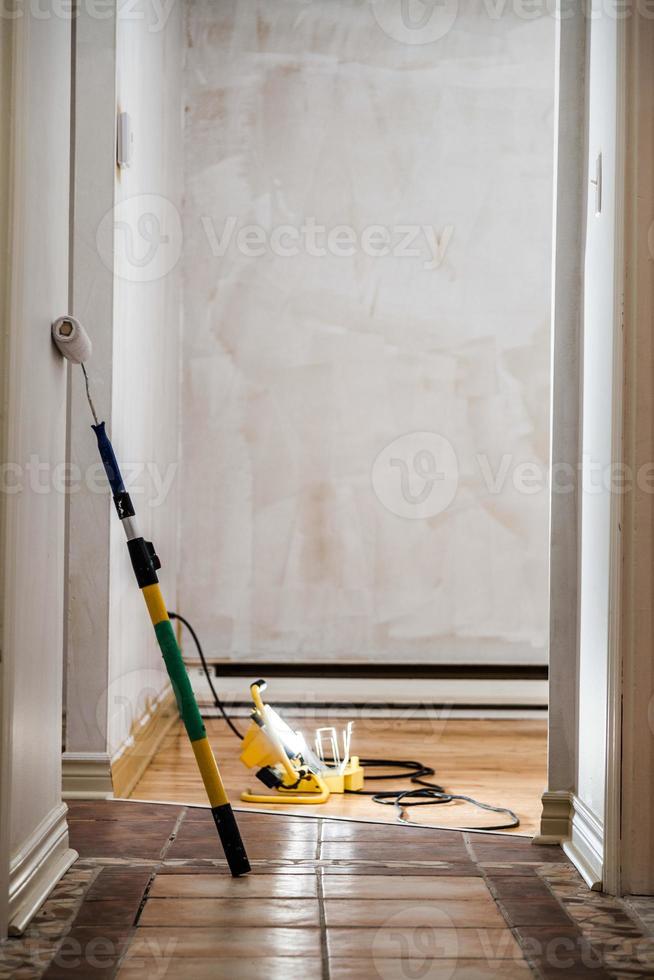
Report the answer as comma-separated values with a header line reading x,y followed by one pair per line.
x,y
146,564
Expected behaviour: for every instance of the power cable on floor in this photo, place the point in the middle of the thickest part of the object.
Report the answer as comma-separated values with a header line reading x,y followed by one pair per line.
x,y
428,794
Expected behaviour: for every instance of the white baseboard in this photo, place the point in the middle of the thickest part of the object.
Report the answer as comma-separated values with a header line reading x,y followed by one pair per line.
x,y
137,752
555,818
585,848
39,864
86,776
98,776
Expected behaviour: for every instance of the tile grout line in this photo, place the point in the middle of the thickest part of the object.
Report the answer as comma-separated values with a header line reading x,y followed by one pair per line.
x,y
162,857
469,847
324,951
173,834
514,932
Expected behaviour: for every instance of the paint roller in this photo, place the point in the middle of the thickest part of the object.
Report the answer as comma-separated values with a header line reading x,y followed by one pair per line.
x,y
73,342
72,339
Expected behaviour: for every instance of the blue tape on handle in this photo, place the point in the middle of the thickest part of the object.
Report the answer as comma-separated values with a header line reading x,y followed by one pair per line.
x,y
109,459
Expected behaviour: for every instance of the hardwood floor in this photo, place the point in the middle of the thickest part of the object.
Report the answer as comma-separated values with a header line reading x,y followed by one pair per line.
x,y
502,762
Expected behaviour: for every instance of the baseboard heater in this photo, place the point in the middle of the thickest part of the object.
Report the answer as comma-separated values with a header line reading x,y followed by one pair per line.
x,y
391,689
383,671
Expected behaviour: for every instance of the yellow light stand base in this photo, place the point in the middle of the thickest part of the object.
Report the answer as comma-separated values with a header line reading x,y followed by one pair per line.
x,y
262,749
351,779
307,792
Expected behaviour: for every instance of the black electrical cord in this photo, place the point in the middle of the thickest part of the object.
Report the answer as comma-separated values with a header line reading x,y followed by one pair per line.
x,y
429,794
414,771
207,673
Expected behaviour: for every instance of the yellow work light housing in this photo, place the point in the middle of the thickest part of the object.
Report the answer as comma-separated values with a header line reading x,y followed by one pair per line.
x,y
287,764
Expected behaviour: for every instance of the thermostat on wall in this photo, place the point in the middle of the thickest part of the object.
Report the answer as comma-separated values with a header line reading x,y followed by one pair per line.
x,y
125,140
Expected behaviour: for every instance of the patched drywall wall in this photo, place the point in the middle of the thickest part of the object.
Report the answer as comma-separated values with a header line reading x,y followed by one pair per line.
x,y
367,238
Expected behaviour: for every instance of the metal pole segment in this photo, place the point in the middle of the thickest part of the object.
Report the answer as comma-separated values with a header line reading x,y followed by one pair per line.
x,y
146,564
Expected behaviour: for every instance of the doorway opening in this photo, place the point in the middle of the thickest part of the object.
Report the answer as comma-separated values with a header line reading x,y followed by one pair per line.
x,y
359,215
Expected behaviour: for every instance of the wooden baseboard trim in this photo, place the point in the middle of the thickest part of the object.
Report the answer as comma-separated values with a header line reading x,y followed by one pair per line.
x,y
555,818
39,864
134,757
86,776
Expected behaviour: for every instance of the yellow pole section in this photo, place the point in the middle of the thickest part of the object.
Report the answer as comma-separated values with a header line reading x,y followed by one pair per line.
x,y
202,750
209,771
154,600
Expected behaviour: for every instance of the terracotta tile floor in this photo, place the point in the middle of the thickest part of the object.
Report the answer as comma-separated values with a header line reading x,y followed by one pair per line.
x,y
151,897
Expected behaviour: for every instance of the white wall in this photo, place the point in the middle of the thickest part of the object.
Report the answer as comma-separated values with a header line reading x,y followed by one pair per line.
x,y
299,370
34,835
90,514
127,291
146,365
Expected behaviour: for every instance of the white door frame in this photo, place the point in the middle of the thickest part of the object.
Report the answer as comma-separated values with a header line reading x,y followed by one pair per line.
x,y
6,43
569,217
627,835
630,756
34,850
613,795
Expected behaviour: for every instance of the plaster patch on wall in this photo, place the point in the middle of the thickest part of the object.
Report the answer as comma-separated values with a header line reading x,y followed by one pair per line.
x,y
300,368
